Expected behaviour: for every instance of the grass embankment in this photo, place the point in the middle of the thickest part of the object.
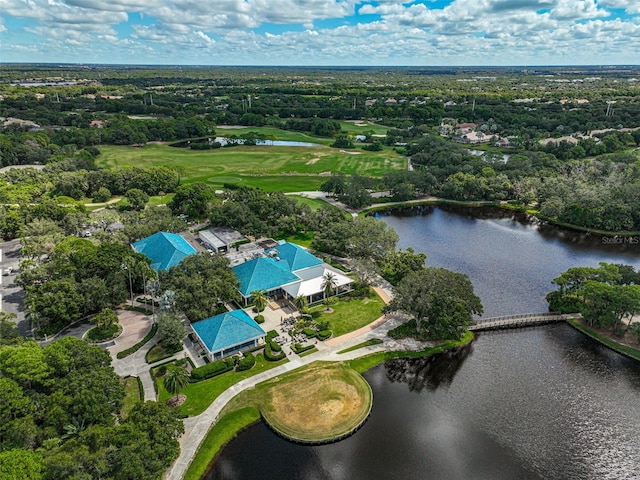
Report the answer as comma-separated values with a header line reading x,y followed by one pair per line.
x,y
200,395
349,314
612,344
241,411
368,343
288,169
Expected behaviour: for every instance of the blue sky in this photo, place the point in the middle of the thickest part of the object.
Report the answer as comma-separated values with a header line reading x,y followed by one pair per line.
x,y
321,32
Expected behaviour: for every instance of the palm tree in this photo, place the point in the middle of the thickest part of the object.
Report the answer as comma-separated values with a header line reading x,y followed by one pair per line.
x,y
301,303
260,300
176,379
329,284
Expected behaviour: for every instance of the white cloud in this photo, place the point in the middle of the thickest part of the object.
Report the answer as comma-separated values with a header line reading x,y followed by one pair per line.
x,y
196,31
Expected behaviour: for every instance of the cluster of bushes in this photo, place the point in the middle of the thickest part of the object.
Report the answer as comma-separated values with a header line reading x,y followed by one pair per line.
x,y
247,362
103,333
147,300
138,346
407,329
212,369
273,352
259,318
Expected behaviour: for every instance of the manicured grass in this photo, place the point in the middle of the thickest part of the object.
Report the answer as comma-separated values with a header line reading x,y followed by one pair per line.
x,y
200,395
220,434
206,165
373,341
102,334
159,200
303,239
157,353
360,127
350,314
308,352
363,364
131,394
625,349
313,203
277,183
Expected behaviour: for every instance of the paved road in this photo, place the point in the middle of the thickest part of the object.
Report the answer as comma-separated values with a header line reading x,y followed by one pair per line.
x,y
12,295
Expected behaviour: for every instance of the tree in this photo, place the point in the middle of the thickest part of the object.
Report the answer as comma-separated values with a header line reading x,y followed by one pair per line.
x,y
9,334
106,318
398,264
171,331
329,284
101,195
176,379
371,238
21,465
137,198
441,301
260,300
203,283
301,303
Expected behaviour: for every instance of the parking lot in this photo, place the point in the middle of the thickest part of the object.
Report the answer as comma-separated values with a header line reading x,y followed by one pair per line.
x,y
12,300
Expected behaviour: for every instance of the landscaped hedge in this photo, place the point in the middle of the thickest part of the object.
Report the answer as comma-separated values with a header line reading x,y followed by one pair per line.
x,y
324,334
211,370
275,346
259,318
309,332
269,355
271,334
139,345
298,348
247,362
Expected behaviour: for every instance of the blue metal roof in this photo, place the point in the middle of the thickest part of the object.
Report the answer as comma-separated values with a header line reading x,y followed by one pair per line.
x,y
227,330
262,274
165,249
294,256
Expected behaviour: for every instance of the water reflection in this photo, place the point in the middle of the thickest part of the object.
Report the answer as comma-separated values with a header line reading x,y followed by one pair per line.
x,y
431,373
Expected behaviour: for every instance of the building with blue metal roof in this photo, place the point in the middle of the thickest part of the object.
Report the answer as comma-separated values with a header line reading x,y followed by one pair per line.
x,y
164,249
263,274
228,333
294,256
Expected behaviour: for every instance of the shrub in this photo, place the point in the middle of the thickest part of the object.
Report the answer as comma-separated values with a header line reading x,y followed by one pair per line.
x,y
298,348
259,318
270,356
271,334
309,332
161,371
100,334
324,334
210,370
247,362
274,346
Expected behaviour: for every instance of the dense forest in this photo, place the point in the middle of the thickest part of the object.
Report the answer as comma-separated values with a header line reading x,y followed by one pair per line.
x,y
588,177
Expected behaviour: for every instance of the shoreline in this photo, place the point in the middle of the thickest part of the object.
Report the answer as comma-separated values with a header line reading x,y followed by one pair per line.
x,y
432,201
619,348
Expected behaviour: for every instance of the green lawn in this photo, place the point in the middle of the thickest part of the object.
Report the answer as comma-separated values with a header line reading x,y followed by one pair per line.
x,y
350,314
131,394
373,341
157,353
359,127
200,395
239,164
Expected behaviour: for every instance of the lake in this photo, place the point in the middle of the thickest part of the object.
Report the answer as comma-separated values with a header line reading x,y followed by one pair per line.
x,y
536,403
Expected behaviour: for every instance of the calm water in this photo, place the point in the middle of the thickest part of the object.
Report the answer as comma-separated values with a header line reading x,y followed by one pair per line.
x,y
537,403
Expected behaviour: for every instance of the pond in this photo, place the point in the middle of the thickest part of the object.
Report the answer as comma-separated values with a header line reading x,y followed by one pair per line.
x,y
536,403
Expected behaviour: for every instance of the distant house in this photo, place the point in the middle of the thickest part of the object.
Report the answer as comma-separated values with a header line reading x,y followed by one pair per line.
x,y
228,333
96,123
165,250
